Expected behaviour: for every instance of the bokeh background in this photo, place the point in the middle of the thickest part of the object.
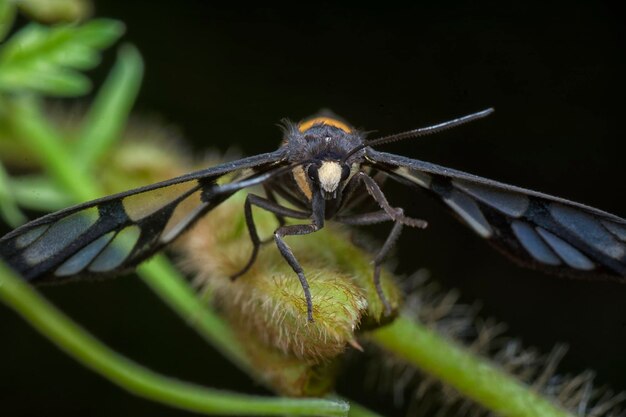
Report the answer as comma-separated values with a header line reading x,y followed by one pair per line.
x,y
223,76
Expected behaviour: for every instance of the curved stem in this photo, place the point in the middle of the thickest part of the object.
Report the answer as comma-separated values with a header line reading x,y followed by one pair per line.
x,y
137,379
476,378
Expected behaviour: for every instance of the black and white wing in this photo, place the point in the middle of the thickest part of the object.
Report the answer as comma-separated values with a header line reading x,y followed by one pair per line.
x,y
115,233
539,230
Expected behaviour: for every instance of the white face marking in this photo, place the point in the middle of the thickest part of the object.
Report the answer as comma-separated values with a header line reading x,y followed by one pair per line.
x,y
329,174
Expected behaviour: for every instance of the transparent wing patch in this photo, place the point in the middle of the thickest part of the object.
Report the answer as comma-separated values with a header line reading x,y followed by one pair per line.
x,y
115,233
537,229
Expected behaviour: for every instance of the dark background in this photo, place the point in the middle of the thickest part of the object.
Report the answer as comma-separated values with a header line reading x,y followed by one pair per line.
x,y
225,76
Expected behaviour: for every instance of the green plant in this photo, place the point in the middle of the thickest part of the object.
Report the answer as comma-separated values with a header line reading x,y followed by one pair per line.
x,y
42,61
58,51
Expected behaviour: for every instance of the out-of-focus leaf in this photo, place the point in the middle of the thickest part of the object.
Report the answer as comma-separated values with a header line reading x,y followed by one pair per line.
x,y
57,10
109,112
7,14
46,144
47,59
52,82
9,211
38,192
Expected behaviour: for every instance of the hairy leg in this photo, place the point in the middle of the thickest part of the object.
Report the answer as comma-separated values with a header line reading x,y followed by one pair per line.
x,y
270,206
317,217
388,213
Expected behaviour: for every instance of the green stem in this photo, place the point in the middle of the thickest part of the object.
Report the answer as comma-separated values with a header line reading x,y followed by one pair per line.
x,y
9,210
168,284
55,156
109,112
46,143
357,410
476,378
137,379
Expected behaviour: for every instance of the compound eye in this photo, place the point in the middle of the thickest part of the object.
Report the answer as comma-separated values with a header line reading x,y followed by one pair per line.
x,y
312,172
345,172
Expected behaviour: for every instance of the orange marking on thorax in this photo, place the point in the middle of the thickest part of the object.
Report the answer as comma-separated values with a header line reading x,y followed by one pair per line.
x,y
303,183
306,125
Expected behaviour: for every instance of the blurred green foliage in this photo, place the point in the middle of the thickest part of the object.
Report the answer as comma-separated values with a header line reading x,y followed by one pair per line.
x,y
47,60
37,61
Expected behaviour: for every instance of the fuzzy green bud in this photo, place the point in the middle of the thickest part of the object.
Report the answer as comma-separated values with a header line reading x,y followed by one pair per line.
x,y
266,306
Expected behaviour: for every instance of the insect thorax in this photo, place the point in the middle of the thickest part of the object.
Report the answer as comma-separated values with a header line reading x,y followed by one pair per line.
x,y
323,142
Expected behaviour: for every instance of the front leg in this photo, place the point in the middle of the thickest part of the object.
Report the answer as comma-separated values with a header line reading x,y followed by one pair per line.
x,y
273,207
395,213
348,199
317,214
364,219
388,213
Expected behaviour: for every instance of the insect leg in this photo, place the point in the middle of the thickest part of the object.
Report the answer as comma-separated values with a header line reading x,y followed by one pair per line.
x,y
349,199
269,194
270,206
388,213
364,219
379,259
317,211
396,213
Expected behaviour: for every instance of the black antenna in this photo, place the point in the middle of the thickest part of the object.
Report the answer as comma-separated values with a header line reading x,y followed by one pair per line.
x,y
423,131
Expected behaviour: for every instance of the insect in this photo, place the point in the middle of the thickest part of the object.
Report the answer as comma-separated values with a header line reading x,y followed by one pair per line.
x,y
324,169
